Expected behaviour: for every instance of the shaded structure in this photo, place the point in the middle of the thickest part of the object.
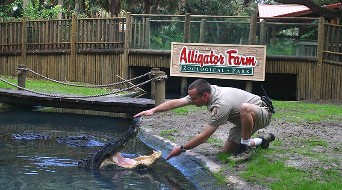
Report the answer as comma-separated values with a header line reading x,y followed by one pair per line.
x,y
96,50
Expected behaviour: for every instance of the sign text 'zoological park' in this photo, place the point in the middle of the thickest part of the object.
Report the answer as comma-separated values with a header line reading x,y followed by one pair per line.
x,y
216,61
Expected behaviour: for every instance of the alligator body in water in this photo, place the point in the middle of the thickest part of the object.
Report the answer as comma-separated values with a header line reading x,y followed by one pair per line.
x,y
110,152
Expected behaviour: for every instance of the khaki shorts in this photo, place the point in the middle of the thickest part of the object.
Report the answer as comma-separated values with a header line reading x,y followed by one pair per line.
x,y
263,121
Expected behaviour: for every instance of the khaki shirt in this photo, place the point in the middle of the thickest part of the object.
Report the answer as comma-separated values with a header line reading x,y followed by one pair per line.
x,y
225,102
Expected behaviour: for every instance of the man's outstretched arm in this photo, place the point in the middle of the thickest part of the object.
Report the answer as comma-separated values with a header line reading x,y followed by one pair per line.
x,y
166,106
208,130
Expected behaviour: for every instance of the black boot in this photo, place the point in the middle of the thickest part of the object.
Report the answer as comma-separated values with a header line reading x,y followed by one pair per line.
x,y
266,139
243,153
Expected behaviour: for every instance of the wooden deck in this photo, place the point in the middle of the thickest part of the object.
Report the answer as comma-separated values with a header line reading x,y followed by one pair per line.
x,y
103,103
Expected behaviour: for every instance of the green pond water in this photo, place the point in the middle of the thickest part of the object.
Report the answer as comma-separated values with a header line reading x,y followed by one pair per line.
x,y
33,154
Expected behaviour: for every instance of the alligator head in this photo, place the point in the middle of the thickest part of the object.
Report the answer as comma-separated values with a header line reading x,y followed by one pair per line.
x,y
111,148
137,162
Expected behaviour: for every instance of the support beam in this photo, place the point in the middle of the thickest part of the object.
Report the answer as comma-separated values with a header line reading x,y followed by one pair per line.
x,y
160,88
320,56
153,84
21,76
251,41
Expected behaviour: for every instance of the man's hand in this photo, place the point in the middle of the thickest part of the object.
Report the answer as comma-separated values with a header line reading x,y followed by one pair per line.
x,y
145,113
175,152
166,106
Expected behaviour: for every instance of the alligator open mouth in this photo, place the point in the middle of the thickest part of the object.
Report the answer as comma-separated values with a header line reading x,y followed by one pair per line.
x,y
109,154
119,160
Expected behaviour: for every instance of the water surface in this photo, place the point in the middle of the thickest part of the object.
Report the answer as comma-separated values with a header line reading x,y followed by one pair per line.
x,y
34,155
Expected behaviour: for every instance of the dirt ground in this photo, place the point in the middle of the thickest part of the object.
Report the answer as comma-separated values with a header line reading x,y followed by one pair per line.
x,y
184,127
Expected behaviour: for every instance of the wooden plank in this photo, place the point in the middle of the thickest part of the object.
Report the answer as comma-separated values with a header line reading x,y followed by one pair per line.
x,y
338,82
102,103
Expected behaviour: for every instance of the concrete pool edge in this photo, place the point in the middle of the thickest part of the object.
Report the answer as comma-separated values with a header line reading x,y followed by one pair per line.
x,y
194,167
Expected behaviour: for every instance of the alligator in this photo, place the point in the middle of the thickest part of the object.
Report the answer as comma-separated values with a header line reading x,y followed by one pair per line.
x,y
109,154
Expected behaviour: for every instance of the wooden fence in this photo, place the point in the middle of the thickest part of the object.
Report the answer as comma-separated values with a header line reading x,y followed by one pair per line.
x,y
96,50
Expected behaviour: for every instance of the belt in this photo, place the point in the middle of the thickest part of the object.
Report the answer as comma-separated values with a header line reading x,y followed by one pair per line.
x,y
266,101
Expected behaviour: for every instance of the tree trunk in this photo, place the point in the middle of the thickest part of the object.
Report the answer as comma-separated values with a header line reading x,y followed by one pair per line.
x,y
77,6
147,6
114,8
25,3
60,2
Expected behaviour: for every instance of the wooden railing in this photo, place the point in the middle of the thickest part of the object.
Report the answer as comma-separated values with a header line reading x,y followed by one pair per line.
x,y
96,50
47,35
333,44
100,33
62,34
153,32
10,36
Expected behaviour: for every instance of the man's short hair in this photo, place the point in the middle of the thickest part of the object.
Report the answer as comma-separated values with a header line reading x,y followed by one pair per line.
x,y
201,85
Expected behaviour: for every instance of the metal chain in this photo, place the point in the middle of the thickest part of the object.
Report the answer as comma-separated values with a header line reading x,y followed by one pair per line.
x,y
90,96
79,85
160,78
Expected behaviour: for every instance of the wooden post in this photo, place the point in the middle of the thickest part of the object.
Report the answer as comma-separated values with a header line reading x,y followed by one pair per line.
x,y
252,29
249,86
184,83
251,41
73,48
263,33
202,31
153,84
320,54
160,88
187,19
22,66
147,34
24,41
21,76
124,65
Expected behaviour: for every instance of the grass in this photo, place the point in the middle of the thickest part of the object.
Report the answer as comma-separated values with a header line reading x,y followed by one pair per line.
x,y
220,177
186,109
276,175
307,112
50,87
314,141
169,134
214,141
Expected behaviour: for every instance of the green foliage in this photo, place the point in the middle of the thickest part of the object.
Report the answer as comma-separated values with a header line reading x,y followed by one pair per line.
x,y
310,35
36,11
7,11
163,35
281,47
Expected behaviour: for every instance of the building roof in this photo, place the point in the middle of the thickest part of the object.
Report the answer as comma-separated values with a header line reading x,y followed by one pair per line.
x,y
286,10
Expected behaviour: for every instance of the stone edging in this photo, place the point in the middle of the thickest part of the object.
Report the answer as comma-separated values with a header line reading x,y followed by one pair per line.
x,y
194,167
